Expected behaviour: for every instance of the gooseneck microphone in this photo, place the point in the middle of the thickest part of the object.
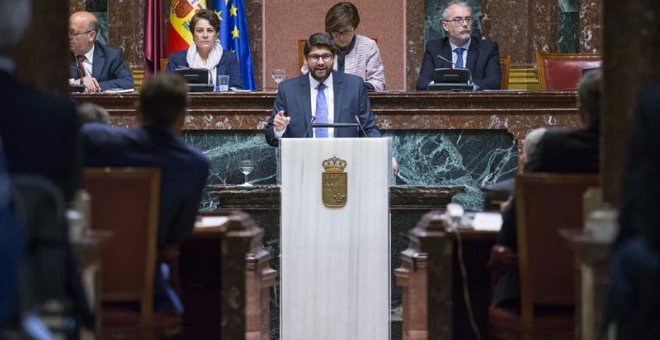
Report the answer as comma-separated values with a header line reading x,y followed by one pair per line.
x,y
453,64
77,87
78,72
357,120
309,127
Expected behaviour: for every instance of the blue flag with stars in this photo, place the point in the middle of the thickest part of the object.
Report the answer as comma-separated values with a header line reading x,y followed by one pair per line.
x,y
234,35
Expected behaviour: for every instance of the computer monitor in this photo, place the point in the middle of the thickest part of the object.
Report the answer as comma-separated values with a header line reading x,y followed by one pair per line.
x,y
198,79
451,79
452,75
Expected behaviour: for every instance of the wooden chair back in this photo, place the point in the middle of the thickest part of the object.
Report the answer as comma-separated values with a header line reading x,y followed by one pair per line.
x,y
545,204
125,202
562,71
505,66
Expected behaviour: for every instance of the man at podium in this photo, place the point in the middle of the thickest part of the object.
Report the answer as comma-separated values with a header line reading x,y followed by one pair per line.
x,y
339,103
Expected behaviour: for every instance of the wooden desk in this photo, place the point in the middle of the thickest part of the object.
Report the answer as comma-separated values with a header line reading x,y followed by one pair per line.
x,y
515,111
226,280
433,299
592,263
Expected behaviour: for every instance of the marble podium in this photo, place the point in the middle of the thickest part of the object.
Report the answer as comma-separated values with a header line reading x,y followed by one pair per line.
x,y
335,242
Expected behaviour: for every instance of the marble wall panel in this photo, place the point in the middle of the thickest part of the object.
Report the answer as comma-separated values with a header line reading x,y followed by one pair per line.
x,y
414,40
508,23
568,26
255,16
590,29
429,158
127,30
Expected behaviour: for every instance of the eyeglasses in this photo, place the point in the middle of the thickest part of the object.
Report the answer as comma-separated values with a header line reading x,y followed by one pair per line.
x,y
317,57
460,20
344,33
75,34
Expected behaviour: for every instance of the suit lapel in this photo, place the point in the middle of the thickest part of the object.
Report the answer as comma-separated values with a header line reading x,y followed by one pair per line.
x,y
338,89
473,54
306,99
99,62
446,53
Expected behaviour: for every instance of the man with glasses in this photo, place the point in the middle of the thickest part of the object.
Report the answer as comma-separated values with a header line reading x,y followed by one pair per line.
x,y
481,57
321,96
94,65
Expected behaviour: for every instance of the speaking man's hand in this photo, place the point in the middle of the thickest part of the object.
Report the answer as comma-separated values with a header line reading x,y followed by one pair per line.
x,y
281,121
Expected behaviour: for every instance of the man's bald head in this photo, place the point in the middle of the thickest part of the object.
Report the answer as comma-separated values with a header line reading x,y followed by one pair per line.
x,y
83,27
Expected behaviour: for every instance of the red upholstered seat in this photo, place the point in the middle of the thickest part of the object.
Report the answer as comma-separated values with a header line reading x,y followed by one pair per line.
x,y
562,71
545,204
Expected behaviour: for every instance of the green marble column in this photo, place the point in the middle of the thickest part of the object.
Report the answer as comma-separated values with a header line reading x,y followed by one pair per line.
x,y
568,26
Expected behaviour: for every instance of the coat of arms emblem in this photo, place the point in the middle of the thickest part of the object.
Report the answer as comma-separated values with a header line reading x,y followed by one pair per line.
x,y
334,184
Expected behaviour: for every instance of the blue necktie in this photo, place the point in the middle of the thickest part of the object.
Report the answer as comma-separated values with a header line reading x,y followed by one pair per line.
x,y
459,57
321,112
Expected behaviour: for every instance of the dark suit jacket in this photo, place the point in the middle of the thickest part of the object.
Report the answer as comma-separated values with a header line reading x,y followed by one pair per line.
x,y
184,170
483,60
39,134
107,68
40,137
559,151
228,65
351,100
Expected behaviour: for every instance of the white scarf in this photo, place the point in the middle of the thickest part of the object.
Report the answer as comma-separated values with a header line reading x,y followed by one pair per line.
x,y
195,61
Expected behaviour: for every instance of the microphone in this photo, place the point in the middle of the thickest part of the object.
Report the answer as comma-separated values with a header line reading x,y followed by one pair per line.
x,y
453,65
357,119
77,87
309,127
78,72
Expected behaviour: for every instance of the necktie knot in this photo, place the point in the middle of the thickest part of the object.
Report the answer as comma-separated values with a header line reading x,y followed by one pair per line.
x,y
321,87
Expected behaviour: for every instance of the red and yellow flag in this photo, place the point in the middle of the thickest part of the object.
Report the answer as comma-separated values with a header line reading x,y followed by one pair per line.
x,y
178,33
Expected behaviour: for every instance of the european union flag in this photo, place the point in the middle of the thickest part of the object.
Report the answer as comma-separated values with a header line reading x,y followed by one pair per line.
x,y
234,35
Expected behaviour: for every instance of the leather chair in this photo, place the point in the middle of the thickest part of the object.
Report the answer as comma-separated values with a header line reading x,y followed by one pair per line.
x,y
545,204
505,66
562,71
125,202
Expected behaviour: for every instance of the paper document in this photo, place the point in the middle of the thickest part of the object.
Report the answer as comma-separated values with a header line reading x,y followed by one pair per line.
x,y
211,221
487,221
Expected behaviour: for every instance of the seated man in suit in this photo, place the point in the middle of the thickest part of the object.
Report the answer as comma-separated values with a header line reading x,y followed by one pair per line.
x,y
335,97
560,151
155,143
481,57
94,65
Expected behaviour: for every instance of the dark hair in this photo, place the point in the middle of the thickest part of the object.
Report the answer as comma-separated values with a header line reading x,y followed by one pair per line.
x,y
340,16
320,40
163,98
588,91
206,14
92,113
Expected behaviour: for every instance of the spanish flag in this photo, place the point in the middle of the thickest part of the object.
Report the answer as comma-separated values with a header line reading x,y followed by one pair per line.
x,y
178,34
